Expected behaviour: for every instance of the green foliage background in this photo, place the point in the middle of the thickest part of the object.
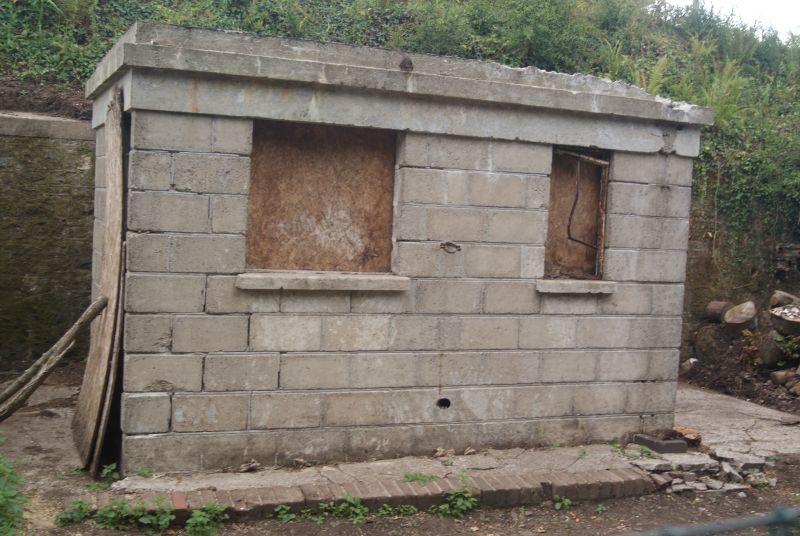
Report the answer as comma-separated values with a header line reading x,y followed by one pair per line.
x,y
747,184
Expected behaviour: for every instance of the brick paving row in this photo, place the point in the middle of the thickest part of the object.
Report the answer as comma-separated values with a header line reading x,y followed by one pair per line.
x,y
504,490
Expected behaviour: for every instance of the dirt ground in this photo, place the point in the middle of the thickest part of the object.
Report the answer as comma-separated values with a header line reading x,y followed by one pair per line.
x,y
35,434
733,372
39,96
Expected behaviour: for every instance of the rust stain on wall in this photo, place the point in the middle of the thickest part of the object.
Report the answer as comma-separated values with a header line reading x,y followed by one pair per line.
x,y
320,198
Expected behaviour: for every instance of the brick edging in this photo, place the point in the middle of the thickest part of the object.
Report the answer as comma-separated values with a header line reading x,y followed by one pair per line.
x,y
491,490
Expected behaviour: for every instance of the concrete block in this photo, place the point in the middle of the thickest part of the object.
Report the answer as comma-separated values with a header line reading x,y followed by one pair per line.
x,y
622,332
414,333
357,332
521,157
285,410
651,168
510,297
542,401
315,371
145,413
441,296
380,302
489,333
649,200
380,370
631,299
228,214
568,304
363,408
285,333
663,365
547,332
645,265
622,366
100,172
164,211
98,234
148,333
164,293
222,254
646,232
206,333
100,141
314,302
651,397
487,368
456,187
491,261
667,299
171,132
416,259
222,296
163,372
598,399
149,170
315,446
147,252
454,224
231,135
458,153
567,366
532,262
209,412
419,185
517,226
497,189
538,191
241,372
211,173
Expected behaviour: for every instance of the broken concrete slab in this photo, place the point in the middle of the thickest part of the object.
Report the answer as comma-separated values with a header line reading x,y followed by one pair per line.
x,y
742,461
692,461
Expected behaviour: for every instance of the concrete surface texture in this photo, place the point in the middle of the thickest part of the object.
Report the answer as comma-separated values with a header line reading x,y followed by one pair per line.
x,y
46,197
459,345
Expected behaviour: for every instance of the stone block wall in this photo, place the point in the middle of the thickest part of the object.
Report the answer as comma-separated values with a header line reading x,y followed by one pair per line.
x,y
215,375
46,189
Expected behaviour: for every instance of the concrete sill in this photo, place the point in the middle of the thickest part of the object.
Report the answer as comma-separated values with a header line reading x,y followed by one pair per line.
x,y
305,280
575,286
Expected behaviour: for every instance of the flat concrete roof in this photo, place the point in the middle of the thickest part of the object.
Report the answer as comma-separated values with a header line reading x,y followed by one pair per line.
x,y
219,53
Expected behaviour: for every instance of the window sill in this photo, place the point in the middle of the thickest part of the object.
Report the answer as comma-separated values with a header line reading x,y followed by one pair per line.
x,y
306,280
575,286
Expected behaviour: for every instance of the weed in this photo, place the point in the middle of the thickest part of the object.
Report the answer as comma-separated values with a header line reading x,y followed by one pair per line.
x,y
109,472
75,470
158,520
419,477
12,502
120,514
561,503
284,514
349,508
403,510
457,502
582,452
76,512
601,508
647,452
462,475
144,473
521,509
207,520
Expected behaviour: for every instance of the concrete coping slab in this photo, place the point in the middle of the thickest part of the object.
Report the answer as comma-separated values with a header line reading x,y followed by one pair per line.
x,y
307,280
224,53
44,126
575,286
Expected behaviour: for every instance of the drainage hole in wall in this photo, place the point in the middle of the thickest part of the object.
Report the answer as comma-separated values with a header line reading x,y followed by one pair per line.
x,y
443,403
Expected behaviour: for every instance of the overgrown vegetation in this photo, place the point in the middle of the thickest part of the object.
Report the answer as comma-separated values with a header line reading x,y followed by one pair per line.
x,y
747,181
457,502
12,502
207,520
122,514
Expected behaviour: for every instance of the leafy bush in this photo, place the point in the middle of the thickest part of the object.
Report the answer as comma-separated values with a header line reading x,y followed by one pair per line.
x,y
75,513
457,502
12,502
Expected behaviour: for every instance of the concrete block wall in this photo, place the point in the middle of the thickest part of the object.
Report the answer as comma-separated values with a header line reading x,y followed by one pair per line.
x,y
215,375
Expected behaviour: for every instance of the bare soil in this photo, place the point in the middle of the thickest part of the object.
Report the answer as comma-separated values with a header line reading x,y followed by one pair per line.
x,y
41,96
732,371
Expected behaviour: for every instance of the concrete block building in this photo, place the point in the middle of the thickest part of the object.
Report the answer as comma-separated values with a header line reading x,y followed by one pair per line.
x,y
343,253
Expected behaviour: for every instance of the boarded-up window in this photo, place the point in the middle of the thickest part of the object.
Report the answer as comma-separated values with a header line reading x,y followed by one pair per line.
x,y
576,220
320,198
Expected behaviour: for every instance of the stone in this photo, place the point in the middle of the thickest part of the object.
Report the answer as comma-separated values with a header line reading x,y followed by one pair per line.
x,y
712,483
740,460
660,445
729,473
652,465
692,461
